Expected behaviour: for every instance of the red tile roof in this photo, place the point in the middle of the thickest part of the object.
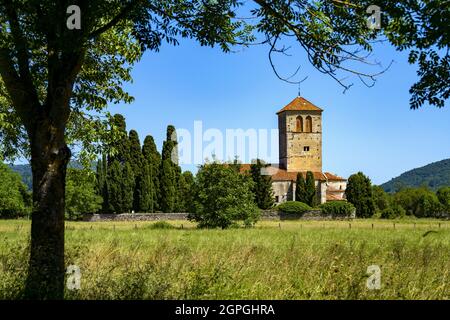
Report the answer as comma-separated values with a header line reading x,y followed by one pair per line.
x,y
333,197
300,104
334,177
279,174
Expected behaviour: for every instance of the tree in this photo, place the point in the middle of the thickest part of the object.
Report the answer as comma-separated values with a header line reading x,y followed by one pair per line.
x,y
300,188
81,194
14,197
136,160
310,189
185,192
223,197
170,172
443,195
381,198
127,188
53,77
114,180
153,158
102,183
145,191
168,186
119,148
359,193
262,188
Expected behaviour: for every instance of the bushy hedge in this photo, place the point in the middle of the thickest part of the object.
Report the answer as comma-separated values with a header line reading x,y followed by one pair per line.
x,y
393,212
337,208
293,207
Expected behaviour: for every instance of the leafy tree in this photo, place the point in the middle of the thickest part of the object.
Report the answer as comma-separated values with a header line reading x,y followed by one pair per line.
x,y
53,77
443,195
14,198
186,192
81,194
262,185
428,205
300,188
223,197
236,164
420,202
153,158
394,211
359,193
381,198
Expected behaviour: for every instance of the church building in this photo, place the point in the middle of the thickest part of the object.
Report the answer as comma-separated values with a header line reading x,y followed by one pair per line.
x,y
300,150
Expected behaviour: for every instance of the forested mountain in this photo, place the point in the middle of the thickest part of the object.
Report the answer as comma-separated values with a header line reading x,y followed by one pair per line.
x,y
25,172
434,176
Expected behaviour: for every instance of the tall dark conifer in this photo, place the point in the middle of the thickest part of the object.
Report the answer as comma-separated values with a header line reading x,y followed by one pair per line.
x,y
127,188
114,185
310,189
170,172
300,189
137,164
262,187
153,158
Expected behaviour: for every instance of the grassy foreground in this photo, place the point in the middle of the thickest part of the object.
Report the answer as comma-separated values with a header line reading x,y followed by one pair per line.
x,y
274,260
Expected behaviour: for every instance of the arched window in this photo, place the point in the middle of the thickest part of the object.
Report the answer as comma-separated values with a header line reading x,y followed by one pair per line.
x,y
308,127
299,124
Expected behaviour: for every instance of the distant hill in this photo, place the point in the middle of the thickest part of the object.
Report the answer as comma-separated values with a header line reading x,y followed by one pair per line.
x,y
434,176
25,172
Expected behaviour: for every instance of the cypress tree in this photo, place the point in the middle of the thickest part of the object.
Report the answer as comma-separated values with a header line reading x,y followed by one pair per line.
x,y
170,172
127,186
114,187
153,158
144,185
262,187
300,189
168,186
310,189
120,146
136,161
102,185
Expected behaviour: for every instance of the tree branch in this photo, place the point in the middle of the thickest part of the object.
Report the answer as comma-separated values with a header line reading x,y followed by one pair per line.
x,y
114,21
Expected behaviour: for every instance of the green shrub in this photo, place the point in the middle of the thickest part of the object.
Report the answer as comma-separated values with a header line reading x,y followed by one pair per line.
x,y
293,207
161,225
393,212
223,197
338,208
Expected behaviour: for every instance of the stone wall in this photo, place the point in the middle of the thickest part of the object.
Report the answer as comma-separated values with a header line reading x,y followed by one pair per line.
x,y
309,215
266,215
134,217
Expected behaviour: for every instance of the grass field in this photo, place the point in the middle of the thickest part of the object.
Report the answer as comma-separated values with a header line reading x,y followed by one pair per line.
x,y
274,260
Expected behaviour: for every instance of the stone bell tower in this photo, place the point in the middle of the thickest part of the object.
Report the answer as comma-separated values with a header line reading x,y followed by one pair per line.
x,y
300,136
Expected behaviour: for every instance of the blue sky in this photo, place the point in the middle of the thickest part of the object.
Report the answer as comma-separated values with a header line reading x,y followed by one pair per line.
x,y
366,129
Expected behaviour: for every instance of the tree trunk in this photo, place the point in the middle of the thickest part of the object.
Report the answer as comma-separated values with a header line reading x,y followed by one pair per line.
x,y
49,158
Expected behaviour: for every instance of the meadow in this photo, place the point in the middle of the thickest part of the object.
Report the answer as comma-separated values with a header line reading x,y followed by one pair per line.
x,y
273,260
